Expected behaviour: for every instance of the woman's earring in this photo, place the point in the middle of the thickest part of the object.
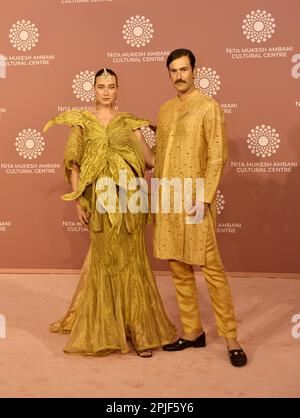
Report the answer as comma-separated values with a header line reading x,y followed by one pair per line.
x,y
116,107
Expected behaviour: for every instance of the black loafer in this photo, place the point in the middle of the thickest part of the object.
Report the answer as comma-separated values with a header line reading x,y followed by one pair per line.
x,y
182,344
238,357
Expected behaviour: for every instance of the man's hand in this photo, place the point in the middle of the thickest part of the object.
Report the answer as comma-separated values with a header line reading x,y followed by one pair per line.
x,y
196,213
192,211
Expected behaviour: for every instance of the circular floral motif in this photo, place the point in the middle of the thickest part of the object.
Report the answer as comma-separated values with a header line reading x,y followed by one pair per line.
x,y
263,141
29,143
138,31
207,81
83,86
24,35
258,26
220,202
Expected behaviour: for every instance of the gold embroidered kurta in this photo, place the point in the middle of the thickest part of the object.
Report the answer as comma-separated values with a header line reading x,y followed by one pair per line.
x,y
190,143
117,297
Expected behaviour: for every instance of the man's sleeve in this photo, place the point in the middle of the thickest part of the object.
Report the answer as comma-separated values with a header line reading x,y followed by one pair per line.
x,y
215,134
157,147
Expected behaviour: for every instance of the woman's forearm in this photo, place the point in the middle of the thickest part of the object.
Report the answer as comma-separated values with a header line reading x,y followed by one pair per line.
x,y
148,155
75,176
83,217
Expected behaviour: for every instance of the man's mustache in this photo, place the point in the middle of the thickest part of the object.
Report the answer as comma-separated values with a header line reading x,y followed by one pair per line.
x,y
179,81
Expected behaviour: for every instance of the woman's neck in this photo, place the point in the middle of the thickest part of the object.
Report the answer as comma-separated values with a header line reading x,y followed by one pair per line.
x,y
105,110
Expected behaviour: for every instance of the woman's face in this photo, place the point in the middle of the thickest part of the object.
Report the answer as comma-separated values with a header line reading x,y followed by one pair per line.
x,y
106,90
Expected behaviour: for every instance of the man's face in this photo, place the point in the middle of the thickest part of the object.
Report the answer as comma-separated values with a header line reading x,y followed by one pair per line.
x,y
181,75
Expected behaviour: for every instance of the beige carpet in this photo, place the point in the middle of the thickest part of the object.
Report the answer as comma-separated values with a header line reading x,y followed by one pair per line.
x,y
32,363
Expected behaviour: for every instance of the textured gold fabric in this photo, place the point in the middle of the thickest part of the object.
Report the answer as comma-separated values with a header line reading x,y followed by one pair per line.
x,y
101,152
187,296
117,299
190,143
219,291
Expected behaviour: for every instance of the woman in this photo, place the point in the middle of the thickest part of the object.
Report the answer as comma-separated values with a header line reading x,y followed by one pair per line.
x,y
117,298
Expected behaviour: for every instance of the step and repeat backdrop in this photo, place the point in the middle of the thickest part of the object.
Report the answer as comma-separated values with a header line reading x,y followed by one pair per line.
x,y
248,59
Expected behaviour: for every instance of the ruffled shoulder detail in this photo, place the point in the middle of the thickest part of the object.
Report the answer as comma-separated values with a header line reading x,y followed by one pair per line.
x,y
71,118
135,123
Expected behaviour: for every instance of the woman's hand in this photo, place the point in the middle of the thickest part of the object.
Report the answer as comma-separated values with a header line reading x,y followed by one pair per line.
x,y
82,215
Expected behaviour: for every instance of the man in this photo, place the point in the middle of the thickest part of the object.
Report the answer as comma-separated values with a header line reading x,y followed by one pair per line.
x,y
191,143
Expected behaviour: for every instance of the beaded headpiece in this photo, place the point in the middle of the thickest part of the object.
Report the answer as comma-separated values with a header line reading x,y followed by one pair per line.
x,y
105,74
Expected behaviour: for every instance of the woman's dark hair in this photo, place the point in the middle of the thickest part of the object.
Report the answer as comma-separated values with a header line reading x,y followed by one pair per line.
x,y
100,72
178,53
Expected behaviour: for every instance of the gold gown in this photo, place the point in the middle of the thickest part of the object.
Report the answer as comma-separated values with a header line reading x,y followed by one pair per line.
x,y
117,299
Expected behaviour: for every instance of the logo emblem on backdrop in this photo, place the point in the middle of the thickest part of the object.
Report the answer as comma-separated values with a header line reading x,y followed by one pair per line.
x,y
207,81
263,141
220,202
138,31
29,144
258,26
83,86
24,35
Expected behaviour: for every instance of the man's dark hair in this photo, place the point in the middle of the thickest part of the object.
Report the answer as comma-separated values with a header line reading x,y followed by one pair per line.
x,y
182,52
